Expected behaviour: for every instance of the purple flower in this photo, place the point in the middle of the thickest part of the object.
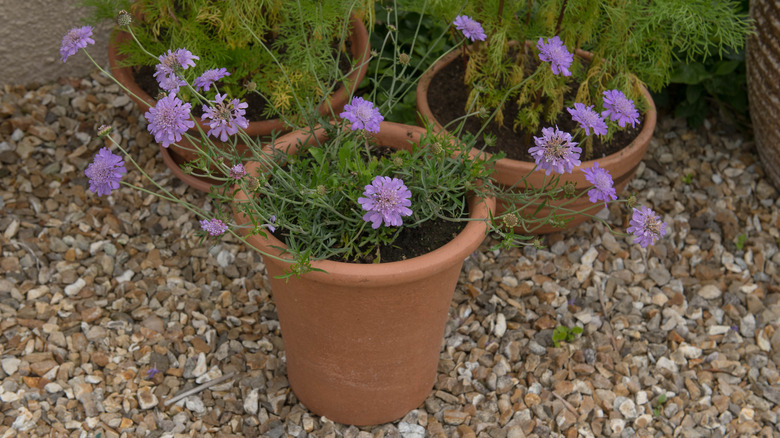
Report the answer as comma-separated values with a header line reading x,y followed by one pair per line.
x,y
105,172
76,39
271,222
151,372
554,52
646,227
225,117
207,79
362,114
170,65
471,29
237,171
169,119
602,184
619,108
554,151
587,118
214,227
386,199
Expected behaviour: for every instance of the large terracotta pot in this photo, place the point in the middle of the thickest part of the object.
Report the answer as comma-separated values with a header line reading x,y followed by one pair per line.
x,y
362,341
621,165
762,59
178,154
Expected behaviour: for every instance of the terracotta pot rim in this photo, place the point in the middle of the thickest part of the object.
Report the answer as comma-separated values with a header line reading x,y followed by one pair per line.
x,y
195,182
256,127
512,165
383,273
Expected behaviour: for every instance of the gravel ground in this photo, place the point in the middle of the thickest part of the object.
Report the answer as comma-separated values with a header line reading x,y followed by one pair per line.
x,y
95,292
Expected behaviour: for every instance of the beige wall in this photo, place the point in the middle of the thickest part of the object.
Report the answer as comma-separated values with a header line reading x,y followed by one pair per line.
x,y
31,33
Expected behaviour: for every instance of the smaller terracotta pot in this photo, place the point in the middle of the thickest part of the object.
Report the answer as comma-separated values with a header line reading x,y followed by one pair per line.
x,y
621,165
183,152
362,341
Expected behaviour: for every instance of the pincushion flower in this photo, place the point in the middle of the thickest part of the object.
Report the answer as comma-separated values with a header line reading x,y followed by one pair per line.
x,y
171,63
554,151
588,119
169,119
226,117
471,29
602,184
646,227
554,52
386,199
620,108
105,172
362,115
238,171
77,38
214,227
207,79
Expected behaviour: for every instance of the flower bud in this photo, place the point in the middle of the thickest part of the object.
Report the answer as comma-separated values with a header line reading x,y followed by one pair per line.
x,y
538,243
124,18
436,148
251,86
398,161
252,183
569,189
404,58
631,202
510,221
321,190
104,130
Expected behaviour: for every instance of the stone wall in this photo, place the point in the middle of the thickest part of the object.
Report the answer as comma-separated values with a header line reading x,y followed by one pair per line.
x,y
30,37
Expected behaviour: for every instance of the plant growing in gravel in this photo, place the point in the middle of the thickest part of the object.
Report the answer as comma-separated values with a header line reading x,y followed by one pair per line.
x,y
345,198
565,334
633,42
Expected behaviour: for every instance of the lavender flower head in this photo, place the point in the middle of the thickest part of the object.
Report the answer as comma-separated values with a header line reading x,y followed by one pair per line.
x,y
168,120
237,171
588,119
471,29
170,65
76,39
386,199
554,52
620,108
602,184
554,151
646,227
105,172
207,79
362,115
214,227
225,117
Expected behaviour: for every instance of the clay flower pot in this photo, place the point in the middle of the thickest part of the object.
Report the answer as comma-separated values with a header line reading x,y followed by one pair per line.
x,y
181,153
621,165
362,341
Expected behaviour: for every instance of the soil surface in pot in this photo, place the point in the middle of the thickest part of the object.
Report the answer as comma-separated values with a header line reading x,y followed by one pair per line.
x,y
447,97
411,242
144,76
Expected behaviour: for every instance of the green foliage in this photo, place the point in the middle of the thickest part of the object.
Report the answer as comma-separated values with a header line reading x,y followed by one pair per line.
x,y
740,242
659,402
687,179
634,42
565,334
287,49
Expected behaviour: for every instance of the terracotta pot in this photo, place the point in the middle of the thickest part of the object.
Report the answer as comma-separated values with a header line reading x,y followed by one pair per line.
x,y
621,165
362,341
762,58
182,152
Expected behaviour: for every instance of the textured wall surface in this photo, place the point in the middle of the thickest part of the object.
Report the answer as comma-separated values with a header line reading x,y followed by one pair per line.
x,y
763,75
31,33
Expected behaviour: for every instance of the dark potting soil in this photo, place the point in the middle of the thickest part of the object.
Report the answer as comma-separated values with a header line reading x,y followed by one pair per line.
x,y
447,97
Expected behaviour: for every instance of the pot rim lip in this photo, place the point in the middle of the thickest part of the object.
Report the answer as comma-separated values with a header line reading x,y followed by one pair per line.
x,y
256,127
412,269
512,165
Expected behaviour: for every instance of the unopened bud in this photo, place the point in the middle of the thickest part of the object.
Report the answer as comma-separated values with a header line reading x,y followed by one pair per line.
x,y
321,190
404,58
510,221
398,161
252,183
104,130
538,243
631,202
251,86
436,148
569,189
